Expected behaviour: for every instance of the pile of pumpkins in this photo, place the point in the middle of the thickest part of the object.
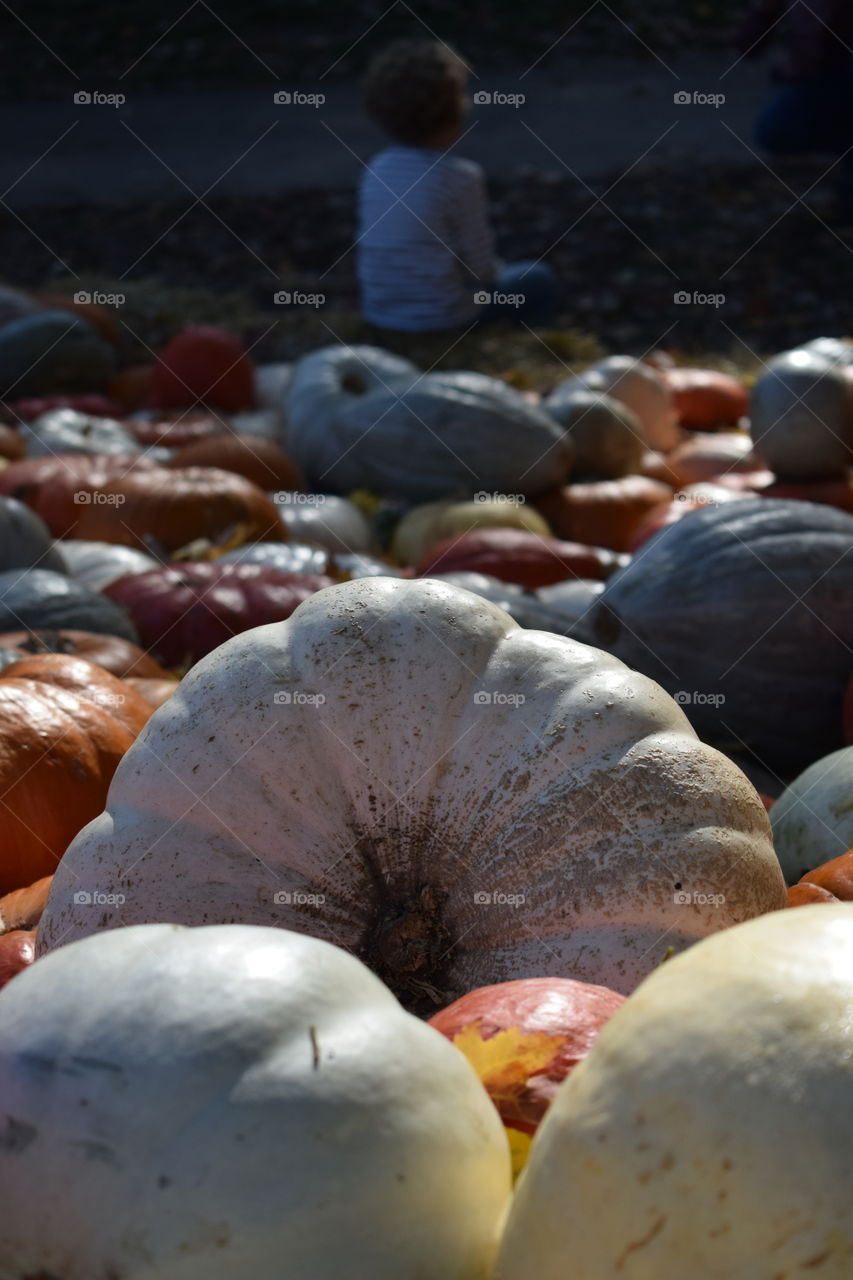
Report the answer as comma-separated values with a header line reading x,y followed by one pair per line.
x,y
486,741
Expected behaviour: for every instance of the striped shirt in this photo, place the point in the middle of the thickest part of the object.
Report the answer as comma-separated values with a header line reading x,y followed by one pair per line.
x,y
424,241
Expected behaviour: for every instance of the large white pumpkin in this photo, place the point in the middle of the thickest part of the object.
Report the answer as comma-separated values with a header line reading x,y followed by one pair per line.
x,y
473,802
813,818
229,1102
709,1132
358,417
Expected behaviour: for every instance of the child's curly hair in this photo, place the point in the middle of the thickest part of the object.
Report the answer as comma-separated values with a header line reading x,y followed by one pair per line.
x,y
415,90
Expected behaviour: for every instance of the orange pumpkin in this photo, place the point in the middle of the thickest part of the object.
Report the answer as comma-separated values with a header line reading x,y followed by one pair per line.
x,y
58,486
85,678
155,692
605,513
12,444
167,509
120,657
830,882
22,908
705,457
253,457
705,399
203,365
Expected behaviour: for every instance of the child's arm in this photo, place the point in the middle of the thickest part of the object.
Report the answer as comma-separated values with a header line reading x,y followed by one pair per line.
x,y
472,239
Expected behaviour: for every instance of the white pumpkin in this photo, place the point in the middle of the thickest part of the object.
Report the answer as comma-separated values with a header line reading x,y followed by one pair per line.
x,y
836,350
709,1131
813,818
271,384
608,437
357,417
401,748
287,557
219,1103
97,564
634,384
67,431
324,519
799,422
432,522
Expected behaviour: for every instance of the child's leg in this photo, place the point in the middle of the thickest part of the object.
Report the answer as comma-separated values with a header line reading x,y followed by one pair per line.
x,y
536,283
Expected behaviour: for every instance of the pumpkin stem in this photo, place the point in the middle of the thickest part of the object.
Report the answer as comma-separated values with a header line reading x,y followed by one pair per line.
x,y
407,948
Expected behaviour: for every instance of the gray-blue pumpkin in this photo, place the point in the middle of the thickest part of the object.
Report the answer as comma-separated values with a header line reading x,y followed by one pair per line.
x,y
38,599
53,351
25,539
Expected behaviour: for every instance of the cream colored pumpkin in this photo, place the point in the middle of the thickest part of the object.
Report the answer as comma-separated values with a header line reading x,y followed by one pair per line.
x,y
634,384
709,1132
472,801
813,818
431,522
230,1102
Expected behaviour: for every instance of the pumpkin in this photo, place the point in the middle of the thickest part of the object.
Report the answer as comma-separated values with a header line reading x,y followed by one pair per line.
x,y
154,691
97,564
25,539
58,488
15,304
705,399
813,817
17,951
203,365
741,610
692,498
353,564
285,557
356,417
514,555
603,514
39,599
59,749
185,611
582,811
635,384
131,386
524,1037
799,417
432,522
708,1131
189,428
832,493
12,444
102,319
277,1109
836,350
259,460
705,457
166,510
90,404
607,436
119,657
66,431
22,908
847,713
86,678
53,351
323,519
831,882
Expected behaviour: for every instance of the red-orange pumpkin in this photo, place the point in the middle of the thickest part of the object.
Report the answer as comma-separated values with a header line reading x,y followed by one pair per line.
x,y
259,460
203,365
516,555
174,433
830,882
705,457
120,657
12,444
705,399
85,678
58,487
606,513
22,908
166,510
17,952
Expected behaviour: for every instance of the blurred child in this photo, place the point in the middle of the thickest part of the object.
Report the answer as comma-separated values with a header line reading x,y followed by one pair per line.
x,y
813,111
425,247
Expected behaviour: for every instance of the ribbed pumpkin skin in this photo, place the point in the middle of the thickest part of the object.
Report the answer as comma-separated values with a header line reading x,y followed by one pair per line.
x,y
25,539
360,418
252,457
714,606
592,799
38,599
86,679
514,555
830,882
705,399
604,513
114,654
59,488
